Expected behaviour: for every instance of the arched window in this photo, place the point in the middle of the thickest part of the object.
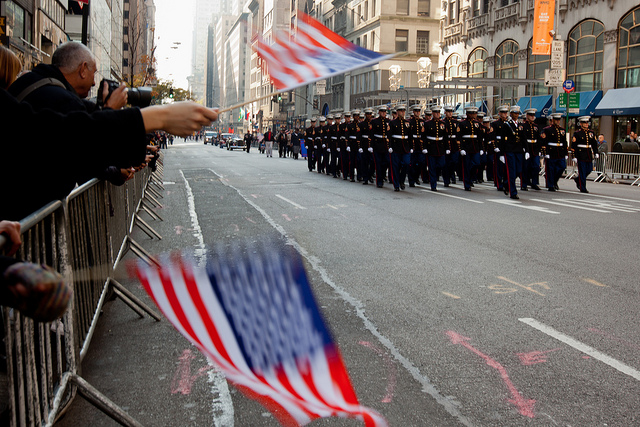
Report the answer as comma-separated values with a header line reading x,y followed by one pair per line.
x,y
506,67
536,64
629,50
585,55
452,67
478,69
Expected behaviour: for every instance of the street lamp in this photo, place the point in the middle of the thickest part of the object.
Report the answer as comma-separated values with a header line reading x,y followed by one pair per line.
x,y
394,77
424,72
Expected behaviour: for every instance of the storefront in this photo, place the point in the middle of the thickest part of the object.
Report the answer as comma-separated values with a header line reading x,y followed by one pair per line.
x,y
624,106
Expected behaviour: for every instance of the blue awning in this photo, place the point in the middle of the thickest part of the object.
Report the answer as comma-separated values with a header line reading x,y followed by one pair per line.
x,y
462,108
620,102
542,103
588,103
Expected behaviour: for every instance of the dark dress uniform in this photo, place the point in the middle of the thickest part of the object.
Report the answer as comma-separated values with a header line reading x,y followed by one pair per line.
x,y
489,146
436,143
332,149
352,143
497,130
364,156
554,146
326,153
512,149
401,143
318,150
470,133
418,159
530,136
380,145
309,141
585,148
453,158
343,136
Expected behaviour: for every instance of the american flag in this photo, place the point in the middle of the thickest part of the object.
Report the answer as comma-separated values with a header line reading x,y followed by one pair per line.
x,y
312,53
252,312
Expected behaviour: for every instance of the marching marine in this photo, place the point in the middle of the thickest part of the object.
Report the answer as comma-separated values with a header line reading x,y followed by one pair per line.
x,y
585,148
309,141
530,135
400,149
554,146
471,135
436,146
380,144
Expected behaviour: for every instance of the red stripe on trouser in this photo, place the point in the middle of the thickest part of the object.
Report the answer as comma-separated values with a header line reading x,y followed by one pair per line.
x,y
393,178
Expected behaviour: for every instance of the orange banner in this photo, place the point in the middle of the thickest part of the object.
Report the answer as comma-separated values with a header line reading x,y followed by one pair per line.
x,y
543,16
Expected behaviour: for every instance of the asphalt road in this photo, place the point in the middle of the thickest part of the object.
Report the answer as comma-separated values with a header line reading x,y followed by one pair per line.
x,y
450,308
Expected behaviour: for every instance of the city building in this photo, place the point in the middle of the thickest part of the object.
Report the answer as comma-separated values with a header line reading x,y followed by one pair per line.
x,y
138,41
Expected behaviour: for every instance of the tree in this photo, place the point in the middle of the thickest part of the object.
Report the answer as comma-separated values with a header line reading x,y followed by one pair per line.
x,y
161,93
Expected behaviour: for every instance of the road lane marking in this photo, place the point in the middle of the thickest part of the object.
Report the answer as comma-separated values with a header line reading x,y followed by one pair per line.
x,y
297,206
590,351
447,403
451,295
333,207
517,204
594,282
453,197
569,205
223,412
599,195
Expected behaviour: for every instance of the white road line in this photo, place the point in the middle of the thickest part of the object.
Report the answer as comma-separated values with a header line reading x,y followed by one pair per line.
x,y
569,205
608,360
517,204
599,195
441,193
450,406
297,206
222,406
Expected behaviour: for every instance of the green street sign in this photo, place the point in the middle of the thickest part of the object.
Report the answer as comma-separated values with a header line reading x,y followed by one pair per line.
x,y
562,100
574,102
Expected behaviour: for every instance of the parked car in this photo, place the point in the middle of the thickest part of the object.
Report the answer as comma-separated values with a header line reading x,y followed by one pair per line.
x,y
210,136
236,142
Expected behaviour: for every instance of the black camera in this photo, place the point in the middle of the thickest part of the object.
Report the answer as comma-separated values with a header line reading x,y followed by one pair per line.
x,y
137,96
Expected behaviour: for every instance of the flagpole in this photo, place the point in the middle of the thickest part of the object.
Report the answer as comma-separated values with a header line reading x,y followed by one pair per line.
x,y
249,102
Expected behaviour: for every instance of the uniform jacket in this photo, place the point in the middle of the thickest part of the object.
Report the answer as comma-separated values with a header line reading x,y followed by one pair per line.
x,y
530,136
470,135
379,134
451,126
584,145
435,137
400,136
554,142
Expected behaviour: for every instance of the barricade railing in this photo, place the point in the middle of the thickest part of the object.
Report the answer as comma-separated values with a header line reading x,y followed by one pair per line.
x,y
83,237
622,164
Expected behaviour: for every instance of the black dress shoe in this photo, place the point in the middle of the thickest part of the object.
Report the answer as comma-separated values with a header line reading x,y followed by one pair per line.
x,y
353,180
412,185
505,191
446,185
552,189
556,187
402,187
396,189
365,183
472,184
524,189
584,191
434,189
379,186
535,187
467,188
515,196
577,182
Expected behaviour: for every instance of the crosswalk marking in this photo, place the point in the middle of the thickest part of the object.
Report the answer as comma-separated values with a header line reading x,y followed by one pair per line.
x,y
568,205
441,193
517,204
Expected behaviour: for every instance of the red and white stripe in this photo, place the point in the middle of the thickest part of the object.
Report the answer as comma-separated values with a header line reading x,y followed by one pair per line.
x,y
296,393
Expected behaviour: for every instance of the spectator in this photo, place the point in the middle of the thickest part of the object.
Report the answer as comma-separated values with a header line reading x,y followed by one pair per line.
x,y
268,141
632,137
295,143
603,146
31,181
9,67
248,138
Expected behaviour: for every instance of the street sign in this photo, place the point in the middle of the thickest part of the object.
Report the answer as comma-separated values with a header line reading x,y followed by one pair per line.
x,y
569,86
321,87
554,78
557,54
574,103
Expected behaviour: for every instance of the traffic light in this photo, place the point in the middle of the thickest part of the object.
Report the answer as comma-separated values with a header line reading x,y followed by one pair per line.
x,y
315,103
171,93
279,97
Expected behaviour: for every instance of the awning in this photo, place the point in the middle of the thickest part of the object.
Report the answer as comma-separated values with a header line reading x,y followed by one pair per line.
x,y
462,108
620,102
588,102
542,103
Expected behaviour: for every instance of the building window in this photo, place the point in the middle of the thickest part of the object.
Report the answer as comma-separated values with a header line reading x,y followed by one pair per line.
x,y
478,70
402,40
585,56
629,50
402,7
373,8
536,64
359,16
424,7
475,7
16,20
452,67
364,42
366,10
506,67
422,42
454,11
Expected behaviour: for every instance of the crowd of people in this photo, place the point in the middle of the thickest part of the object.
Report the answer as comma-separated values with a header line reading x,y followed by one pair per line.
x,y
427,147
77,141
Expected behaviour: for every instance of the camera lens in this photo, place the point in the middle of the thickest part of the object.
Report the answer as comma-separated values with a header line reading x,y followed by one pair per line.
x,y
139,96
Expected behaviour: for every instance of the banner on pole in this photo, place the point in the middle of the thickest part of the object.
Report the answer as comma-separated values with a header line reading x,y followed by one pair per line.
x,y
543,17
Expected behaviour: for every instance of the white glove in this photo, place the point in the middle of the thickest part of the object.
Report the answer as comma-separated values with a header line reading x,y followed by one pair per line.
x,y
463,153
349,149
526,156
482,152
370,149
338,149
360,150
390,150
411,151
324,146
547,157
539,154
575,161
597,155
328,150
424,151
497,150
566,157
447,152
502,159
315,147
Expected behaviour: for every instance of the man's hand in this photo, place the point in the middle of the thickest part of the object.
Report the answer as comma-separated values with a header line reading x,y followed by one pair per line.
x,y
153,148
497,150
178,118
360,150
482,152
463,153
502,159
370,149
11,229
118,98
597,156
424,151
527,156
447,152
127,174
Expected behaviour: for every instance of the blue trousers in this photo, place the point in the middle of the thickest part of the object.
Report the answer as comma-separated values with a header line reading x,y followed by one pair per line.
x,y
382,164
513,169
363,166
531,171
437,164
452,166
584,169
470,163
399,165
555,167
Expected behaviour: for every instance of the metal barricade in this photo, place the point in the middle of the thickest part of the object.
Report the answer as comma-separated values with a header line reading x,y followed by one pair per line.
x,y
623,164
82,237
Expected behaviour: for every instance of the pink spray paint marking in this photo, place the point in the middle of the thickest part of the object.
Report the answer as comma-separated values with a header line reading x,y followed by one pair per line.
x,y
250,220
236,227
524,406
182,380
613,338
535,357
285,216
178,229
391,368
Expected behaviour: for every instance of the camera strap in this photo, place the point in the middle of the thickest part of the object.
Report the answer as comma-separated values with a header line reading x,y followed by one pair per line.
x,y
42,82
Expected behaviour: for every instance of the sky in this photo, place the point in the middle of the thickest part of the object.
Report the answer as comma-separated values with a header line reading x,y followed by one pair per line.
x,y
174,23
